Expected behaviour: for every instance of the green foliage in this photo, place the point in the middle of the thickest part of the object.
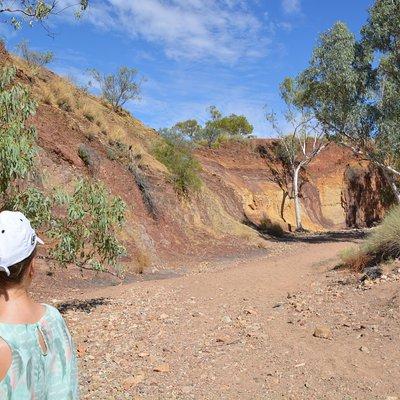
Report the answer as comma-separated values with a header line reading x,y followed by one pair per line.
x,y
17,140
352,88
34,58
84,155
235,126
231,126
111,154
333,88
119,88
86,232
381,35
189,128
30,11
176,154
35,205
217,129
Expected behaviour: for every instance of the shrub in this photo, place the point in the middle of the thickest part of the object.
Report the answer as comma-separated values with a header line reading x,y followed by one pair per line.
x,y
270,228
86,230
177,156
64,104
35,205
88,115
111,154
381,245
47,96
118,151
62,93
85,226
34,58
84,155
119,88
90,136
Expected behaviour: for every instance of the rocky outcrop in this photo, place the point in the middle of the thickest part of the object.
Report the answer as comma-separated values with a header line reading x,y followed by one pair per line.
x,y
365,197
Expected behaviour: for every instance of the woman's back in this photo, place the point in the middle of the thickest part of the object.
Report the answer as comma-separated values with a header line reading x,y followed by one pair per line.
x,y
43,360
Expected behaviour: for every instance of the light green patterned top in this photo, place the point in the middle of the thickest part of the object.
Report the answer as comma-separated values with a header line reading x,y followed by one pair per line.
x,y
34,375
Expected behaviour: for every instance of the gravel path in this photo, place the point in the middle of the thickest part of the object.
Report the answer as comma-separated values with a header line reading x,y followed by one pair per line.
x,y
245,332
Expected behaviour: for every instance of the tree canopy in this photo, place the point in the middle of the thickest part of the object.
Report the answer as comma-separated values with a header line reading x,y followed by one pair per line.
x,y
217,126
352,88
120,87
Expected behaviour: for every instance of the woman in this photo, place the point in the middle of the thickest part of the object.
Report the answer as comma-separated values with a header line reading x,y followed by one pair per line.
x,y
37,355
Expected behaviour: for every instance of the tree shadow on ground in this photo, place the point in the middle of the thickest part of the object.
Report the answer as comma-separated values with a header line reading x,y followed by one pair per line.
x,y
346,235
81,305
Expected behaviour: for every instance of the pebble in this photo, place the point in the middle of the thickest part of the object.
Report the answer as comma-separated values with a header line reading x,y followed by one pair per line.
x,y
322,332
364,349
162,368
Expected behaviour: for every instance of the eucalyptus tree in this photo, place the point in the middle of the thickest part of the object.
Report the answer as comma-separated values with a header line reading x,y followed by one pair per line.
x,y
381,37
356,102
297,149
17,136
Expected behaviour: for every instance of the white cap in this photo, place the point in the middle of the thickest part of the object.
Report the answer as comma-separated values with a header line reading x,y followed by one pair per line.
x,y
17,239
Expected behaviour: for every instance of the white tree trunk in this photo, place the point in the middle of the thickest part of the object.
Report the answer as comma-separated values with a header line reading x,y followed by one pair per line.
x,y
297,205
393,184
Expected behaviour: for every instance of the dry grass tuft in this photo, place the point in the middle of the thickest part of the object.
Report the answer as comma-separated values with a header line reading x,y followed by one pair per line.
x,y
63,94
382,244
143,261
271,228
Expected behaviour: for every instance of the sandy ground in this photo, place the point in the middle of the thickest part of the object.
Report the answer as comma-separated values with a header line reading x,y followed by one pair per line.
x,y
243,330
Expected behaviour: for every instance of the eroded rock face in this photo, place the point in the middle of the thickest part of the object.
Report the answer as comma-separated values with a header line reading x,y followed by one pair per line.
x,y
365,196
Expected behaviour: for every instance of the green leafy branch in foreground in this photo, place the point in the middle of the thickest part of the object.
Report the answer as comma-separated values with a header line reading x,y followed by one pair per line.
x,y
84,224
16,13
87,232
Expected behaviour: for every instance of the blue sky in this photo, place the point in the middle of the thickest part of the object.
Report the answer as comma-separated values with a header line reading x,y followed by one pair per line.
x,y
194,53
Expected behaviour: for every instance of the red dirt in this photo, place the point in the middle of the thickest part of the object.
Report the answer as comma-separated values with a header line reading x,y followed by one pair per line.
x,y
243,330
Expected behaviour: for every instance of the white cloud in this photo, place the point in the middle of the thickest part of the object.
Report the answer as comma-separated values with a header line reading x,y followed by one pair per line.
x,y
224,30
291,6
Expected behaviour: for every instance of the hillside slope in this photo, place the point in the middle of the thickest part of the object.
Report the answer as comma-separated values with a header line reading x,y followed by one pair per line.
x,y
238,191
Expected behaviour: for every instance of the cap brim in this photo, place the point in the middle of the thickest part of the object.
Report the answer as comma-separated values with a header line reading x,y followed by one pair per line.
x,y
40,241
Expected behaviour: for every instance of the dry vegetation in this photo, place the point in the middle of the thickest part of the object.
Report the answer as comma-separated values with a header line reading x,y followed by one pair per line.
x,y
383,244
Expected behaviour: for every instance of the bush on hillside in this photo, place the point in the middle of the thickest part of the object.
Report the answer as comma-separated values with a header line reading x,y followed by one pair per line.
x,y
177,156
381,245
86,231
84,155
119,88
35,59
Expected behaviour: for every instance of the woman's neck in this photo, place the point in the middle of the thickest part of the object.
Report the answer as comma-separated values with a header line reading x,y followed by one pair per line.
x,y
16,306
